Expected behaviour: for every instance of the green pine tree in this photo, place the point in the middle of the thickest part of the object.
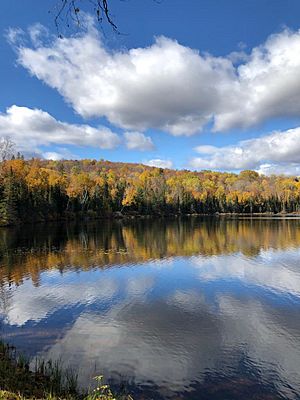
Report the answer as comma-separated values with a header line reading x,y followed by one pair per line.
x,y
8,202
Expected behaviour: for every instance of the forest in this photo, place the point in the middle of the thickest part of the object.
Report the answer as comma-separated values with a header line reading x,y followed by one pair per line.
x,y
44,190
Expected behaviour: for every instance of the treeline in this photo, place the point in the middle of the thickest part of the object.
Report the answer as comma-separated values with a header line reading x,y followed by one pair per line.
x,y
41,190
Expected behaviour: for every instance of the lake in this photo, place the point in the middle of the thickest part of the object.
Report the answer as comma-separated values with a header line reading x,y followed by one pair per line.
x,y
187,308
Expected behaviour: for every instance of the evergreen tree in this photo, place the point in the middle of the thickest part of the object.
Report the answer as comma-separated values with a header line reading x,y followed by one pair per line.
x,y
8,203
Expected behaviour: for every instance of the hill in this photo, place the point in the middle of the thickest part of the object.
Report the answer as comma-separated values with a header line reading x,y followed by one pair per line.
x,y
41,190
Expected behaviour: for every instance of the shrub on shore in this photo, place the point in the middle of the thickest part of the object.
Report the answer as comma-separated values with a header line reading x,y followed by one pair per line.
x,y
48,381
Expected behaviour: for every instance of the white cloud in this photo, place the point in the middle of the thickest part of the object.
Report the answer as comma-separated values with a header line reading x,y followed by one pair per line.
x,y
32,128
278,152
157,162
268,84
15,35
279,169
138,141
59,155
37,33
167,85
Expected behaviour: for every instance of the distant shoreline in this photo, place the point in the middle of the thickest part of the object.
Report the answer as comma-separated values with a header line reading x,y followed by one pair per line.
x,y
128,216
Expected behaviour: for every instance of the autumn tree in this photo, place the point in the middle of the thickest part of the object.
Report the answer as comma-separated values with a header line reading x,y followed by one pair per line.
x,y
39,190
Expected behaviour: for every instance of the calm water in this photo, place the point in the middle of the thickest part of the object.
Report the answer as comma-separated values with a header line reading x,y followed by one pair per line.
x,y
180,309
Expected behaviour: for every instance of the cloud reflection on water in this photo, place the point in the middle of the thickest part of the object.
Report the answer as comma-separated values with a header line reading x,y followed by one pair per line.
x,y
170,324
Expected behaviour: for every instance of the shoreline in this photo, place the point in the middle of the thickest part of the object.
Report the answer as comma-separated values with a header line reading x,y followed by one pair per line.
x,y
49,380
126,217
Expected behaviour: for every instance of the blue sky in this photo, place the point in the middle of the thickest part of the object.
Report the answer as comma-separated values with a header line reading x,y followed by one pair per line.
x,y
213,85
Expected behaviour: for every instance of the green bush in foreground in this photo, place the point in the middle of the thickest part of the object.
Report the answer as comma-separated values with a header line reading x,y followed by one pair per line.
x,y
48,381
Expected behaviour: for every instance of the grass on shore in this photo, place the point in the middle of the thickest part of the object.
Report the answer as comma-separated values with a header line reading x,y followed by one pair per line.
x,y
48,381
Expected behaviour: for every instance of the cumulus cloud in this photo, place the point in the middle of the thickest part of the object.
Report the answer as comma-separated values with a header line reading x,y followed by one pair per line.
x,y
166,85
63,153
32,128
279,169
268,83
157,162
278,152
138,141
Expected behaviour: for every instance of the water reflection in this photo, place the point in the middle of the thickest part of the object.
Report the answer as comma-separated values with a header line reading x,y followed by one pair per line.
x,y
189,309
27,252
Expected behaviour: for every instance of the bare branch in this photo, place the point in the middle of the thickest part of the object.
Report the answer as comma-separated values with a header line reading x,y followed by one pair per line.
x,y
69,9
